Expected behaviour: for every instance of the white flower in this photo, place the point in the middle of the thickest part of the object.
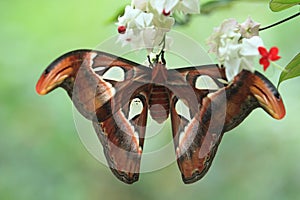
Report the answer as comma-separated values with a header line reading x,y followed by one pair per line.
x,y
249,50
227,45
153,38
228,55
161,21
239,56
184,6
227,29
130,37
161,5
148,38
140,4
135,21
235,45
250,46
135,18
232,68
129,15
249,28
188,6
146,22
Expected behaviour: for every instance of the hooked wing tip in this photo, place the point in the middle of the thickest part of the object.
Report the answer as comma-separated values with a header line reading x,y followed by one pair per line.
x,y
58,71
39,88
47,82
268,96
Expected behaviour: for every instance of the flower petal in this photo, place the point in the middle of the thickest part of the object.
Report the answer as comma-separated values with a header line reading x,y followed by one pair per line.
x,y
273,54
232,68
249,28
247,63
140,4
250,46
263,51
265,62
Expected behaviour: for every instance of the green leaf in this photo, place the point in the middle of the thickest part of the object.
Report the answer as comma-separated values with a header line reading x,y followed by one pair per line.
x,y
279,5
216,5
292,70
207,8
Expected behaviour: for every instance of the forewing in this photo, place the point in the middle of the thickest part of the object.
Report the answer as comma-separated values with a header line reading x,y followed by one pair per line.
x,y
98,97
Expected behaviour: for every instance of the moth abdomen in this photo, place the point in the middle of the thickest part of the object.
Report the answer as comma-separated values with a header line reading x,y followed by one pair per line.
x,y
159,103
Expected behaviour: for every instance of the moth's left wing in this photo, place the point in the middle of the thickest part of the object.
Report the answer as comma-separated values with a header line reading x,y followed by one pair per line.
x,y
104,101
123,139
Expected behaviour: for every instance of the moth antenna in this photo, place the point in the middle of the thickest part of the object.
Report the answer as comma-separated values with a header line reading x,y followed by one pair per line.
x,y
163,60
150,62
157,58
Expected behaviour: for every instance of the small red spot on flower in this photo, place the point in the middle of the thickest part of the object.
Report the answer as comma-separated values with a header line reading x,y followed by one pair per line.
x,y
122,29
165,13
266,56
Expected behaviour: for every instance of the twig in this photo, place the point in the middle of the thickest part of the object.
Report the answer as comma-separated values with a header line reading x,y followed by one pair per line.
x,y
282,21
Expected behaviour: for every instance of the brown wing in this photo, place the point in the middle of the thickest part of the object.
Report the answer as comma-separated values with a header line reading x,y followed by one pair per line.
x,y
81,72
196,139
122,141
105,102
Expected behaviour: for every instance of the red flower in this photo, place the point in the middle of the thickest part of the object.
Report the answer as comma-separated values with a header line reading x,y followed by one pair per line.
x,y
122,29
165,13
266,56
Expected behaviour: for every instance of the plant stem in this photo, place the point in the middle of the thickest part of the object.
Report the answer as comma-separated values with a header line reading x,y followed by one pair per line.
x,y
279,67
282,21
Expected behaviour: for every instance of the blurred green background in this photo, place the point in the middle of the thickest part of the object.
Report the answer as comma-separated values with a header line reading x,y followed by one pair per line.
x,y
42,157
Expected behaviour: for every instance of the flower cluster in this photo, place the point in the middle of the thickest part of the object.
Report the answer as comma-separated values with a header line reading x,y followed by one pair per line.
x,y
146,22
236,45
